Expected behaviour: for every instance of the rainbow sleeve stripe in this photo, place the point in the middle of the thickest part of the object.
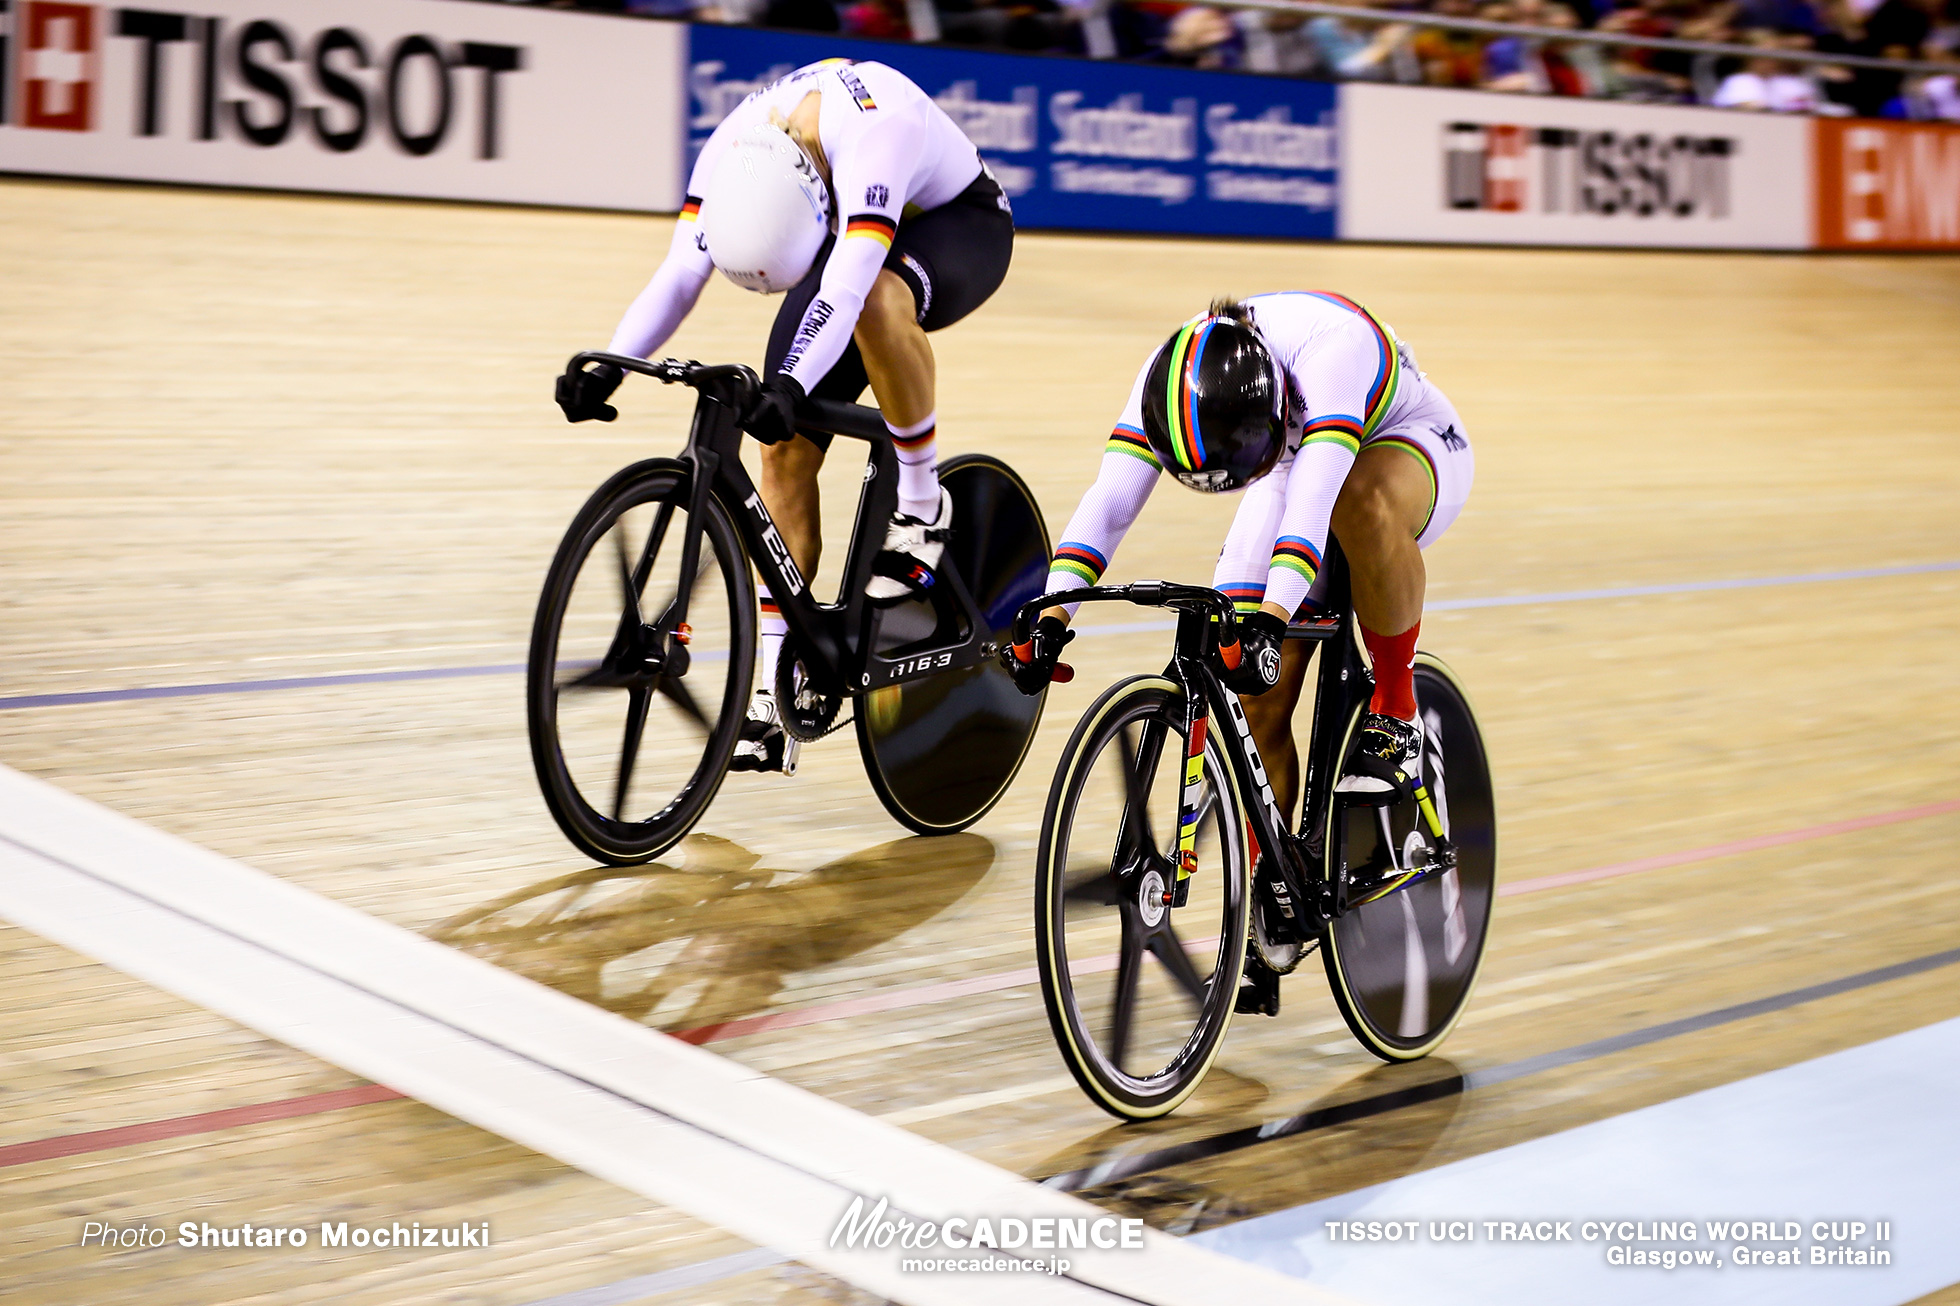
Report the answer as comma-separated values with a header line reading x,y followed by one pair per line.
x,y
1388,362
874,225
1246,595
1297,555
1080,561
691,209
1130,440
1421,455
1336,428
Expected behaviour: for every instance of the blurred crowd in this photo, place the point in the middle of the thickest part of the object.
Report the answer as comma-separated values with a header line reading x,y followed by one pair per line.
x,y
1396,50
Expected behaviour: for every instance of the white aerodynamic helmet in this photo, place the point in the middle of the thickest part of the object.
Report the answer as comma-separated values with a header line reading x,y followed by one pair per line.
x,y
765,212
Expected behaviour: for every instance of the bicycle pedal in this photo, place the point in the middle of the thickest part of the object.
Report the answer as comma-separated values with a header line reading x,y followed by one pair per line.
x,y
1258,990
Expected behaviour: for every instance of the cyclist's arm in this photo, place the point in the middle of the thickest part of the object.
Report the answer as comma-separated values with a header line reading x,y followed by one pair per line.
x,y
657,313
1248,553
1109,508
670,296
868,183
1336,380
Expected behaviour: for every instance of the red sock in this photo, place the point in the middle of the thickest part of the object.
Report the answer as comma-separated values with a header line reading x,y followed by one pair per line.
x,y
1395,682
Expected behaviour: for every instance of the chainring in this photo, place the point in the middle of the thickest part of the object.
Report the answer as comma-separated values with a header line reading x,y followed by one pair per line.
x,y
806,714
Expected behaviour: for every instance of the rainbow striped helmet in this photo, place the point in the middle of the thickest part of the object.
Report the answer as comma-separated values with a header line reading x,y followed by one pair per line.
x,y
1212,403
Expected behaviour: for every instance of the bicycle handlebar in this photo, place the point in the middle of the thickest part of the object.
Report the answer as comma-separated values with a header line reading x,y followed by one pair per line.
x,y
1144,593
851,420
672,371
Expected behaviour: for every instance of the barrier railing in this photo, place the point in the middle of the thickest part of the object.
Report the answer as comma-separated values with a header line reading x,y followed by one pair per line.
x,y
1100,41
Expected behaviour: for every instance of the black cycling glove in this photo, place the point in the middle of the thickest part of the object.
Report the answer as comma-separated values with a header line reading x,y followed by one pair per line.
x,y
1252,665
1033,664
772,417
583,395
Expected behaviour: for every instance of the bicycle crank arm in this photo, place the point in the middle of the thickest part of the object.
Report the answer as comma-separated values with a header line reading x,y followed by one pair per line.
x,y
1441,860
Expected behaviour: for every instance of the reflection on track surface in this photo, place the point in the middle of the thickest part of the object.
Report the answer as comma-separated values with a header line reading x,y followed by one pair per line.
x,y
332,500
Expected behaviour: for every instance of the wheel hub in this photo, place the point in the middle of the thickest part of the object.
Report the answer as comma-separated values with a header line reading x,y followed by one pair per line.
x,y
1153,897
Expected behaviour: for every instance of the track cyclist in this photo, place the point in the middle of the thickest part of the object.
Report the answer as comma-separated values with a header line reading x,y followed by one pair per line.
x,y
845,185
1315,405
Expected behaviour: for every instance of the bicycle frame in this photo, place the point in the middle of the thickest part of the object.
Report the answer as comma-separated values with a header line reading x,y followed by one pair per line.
x,y
1304,896
837,642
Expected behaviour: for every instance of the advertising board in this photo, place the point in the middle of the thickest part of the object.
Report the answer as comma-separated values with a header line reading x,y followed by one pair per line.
x,y
1469,166
1085,145
383,97
1887,185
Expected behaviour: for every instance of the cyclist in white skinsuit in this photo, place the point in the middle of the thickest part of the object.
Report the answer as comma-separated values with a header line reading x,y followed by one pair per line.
x,y
1369,448
916,236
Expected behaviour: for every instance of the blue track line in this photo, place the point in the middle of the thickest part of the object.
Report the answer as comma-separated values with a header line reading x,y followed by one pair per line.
x,y
512,668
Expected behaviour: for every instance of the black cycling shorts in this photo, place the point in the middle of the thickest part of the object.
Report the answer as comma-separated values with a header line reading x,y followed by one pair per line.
x,y
953,257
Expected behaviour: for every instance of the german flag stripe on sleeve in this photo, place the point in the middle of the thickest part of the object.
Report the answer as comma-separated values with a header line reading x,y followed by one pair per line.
x,y
691,209
1129,440
1336,428
875,225
1079,560
1298,555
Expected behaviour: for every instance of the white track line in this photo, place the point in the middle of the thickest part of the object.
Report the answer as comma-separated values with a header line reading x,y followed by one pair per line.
x,y
678,1124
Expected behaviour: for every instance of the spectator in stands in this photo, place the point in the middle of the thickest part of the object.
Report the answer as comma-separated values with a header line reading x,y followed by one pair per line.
x,y
1456,58
1278,42
802,15
883,20
1933,97
1532,66
1364,51
1895,29
1203,37
1768,83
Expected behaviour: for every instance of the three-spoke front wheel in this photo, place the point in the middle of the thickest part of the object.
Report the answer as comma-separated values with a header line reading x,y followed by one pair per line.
x,y
634,704
1139,977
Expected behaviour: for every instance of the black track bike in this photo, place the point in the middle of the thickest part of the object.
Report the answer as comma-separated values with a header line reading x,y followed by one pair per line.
x,y
1165,870
643,648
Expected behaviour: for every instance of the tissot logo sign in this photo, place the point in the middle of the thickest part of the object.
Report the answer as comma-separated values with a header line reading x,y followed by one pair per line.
x,y
57,65
1508,168
261,81
389,96
1430,165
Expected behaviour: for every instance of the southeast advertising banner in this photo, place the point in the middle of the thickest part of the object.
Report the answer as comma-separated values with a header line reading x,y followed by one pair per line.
x,y
1082,145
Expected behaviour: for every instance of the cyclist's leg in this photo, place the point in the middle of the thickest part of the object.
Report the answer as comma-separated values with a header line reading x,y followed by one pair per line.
x,y
789,489
789,469
1270,715
943,264
1407,486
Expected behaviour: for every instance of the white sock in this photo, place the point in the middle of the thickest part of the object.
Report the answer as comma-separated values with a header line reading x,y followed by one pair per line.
x,y
917,447
772,628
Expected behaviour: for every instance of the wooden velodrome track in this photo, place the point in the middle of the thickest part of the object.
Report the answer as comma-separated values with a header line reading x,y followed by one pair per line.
x,y
249,438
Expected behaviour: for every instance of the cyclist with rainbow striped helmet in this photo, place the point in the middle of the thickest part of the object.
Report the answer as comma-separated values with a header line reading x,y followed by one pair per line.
x,y
1314,408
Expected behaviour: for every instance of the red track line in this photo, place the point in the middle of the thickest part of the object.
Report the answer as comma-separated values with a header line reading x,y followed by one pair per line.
x,y
100,1140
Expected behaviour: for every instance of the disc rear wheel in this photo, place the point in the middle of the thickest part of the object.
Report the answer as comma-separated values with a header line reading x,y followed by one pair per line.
x,y
1402,967
941,750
